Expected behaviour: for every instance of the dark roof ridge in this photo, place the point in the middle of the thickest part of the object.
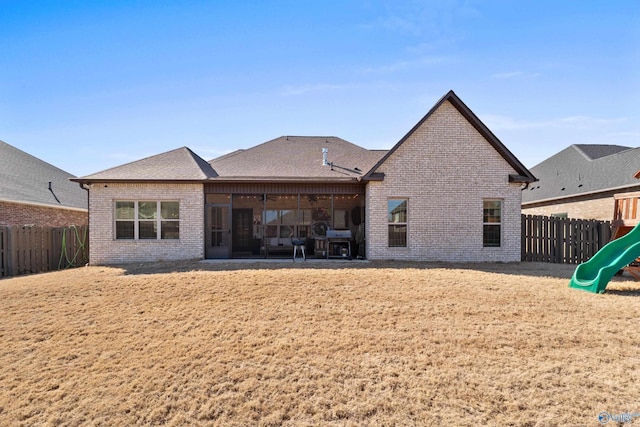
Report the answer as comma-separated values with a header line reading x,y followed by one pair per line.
x,y
201,163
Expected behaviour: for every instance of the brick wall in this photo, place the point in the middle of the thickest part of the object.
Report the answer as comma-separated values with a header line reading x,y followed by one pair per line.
x,y
600,207
445,169
25,214
104,249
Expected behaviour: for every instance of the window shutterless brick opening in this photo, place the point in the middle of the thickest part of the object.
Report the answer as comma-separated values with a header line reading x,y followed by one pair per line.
x,y
397,219
491,223
147,220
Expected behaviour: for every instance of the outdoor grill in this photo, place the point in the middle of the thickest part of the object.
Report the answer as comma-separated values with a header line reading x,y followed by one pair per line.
x,y
339,244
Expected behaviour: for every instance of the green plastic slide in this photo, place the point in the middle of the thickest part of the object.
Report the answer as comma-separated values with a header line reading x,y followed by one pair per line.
x,y
594,275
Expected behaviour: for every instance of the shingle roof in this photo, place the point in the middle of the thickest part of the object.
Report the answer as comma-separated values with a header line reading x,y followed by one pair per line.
x,y
180,164
25,179
583,169
299,158
522,173
596,151
288,158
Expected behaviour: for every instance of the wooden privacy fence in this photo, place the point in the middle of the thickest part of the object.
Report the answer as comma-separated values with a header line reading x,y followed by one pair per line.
x,y
562,240
38,249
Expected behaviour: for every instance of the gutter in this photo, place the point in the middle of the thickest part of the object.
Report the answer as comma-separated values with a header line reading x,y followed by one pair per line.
x,y
587,193
44,205
227,180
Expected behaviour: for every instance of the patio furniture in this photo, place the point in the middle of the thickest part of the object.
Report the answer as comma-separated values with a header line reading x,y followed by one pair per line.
x,y
298,244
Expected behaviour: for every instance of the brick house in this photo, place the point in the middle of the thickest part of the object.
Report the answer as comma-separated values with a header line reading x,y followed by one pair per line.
x,y
449,190
583,181
34,192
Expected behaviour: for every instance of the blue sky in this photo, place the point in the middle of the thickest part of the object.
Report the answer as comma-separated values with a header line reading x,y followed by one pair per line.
x,y
87,85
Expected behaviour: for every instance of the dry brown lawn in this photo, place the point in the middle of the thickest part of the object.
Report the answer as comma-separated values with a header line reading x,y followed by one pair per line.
x,y
326,344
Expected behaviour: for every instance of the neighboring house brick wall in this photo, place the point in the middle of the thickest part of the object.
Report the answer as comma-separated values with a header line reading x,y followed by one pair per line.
x,y
104,249
20,214
445,169
597,208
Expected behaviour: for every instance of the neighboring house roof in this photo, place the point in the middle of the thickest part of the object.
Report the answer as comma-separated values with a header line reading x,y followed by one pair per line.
x,y
583,169
299,158
522,173
596,151
180,164
27,179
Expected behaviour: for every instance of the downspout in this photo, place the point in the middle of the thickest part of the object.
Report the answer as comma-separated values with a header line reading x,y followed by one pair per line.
x,y
54,194
82,185
86,188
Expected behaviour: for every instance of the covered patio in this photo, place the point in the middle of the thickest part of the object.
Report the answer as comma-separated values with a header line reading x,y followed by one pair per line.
x,y
246,224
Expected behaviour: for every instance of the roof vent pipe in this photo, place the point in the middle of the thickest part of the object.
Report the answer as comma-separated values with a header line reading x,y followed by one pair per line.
x,y
325,153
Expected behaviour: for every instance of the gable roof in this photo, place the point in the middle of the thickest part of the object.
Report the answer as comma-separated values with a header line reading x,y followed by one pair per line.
x,y
522,173
180,164
584,169
27,179
297,158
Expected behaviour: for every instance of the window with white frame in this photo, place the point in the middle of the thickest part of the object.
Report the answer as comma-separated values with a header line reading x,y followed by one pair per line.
x,y
397,219
147,220
491,223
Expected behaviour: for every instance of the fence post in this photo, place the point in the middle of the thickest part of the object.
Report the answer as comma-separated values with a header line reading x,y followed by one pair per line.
x,y
541,236
9,253
56,247
523,236
4,255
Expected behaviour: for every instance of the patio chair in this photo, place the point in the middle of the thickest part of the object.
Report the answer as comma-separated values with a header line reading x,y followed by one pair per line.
x,y
298,243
